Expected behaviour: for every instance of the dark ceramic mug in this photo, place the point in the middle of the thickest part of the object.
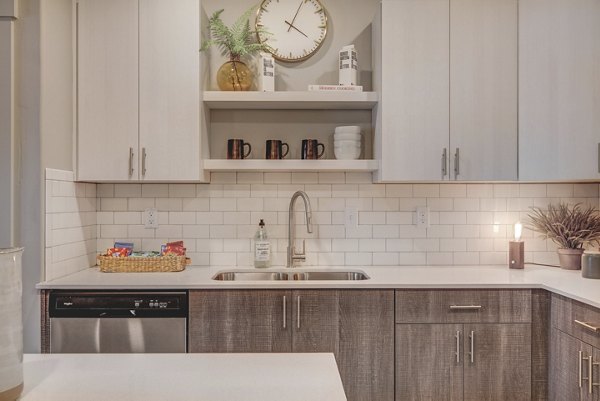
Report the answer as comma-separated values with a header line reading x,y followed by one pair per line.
x,y
310,149
275,149
235,149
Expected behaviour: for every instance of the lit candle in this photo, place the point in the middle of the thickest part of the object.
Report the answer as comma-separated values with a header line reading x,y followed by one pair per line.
x,y
516,249
518,231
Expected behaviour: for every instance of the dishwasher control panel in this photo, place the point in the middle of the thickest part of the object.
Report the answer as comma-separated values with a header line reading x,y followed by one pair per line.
x,y
118,304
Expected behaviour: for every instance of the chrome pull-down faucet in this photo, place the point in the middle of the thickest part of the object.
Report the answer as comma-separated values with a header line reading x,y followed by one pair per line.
x,y
292,256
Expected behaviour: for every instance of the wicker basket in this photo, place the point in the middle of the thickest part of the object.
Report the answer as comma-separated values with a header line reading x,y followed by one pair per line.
x,y
171,263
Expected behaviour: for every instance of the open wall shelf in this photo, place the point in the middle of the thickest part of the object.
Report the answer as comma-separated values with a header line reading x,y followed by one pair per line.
x,y
291,165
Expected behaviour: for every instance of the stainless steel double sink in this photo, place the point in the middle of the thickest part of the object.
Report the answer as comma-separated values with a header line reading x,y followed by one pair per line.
x,y
304,275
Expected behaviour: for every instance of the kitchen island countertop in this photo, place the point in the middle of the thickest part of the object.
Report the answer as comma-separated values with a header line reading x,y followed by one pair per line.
x,y
564,282
182,377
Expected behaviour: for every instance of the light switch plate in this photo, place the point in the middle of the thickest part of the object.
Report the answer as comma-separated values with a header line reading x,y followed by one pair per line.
x,y
151,218
423,217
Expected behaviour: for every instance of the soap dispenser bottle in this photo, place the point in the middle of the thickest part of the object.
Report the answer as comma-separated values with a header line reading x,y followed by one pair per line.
x,y
262,247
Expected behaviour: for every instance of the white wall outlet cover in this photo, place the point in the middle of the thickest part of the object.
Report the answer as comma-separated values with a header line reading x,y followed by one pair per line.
x,y
423,217
151,218
351,218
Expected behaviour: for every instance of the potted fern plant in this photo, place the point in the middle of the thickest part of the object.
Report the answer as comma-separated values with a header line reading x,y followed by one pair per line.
x,y
570,227
234,42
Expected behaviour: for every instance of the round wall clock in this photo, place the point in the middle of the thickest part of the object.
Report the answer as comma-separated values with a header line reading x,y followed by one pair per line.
x,y
297,28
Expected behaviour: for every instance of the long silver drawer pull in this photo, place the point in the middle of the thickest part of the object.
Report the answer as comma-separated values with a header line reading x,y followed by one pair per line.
x,y
465,307
472,353
457,346
143,161
444,163
130,161
457,163
590,374
581,377
284,311
587,326
298,314
580,369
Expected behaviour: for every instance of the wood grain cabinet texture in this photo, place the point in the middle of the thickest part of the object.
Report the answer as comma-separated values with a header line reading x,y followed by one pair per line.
x,y
472,345
572,346
357,326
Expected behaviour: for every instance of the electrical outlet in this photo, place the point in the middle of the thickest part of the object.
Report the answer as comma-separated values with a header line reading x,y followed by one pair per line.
x,y
423,217
351,218
151,218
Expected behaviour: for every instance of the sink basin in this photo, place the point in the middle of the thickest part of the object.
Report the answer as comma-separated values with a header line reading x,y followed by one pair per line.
x,y
304,275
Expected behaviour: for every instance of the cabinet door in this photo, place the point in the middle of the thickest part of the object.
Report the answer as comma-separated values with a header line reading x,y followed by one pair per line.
x,y
413,128
483,89
429,362
239,321
564,368
366,344
170,90
499,368
596,376
358,327
316,320
107,89
559,89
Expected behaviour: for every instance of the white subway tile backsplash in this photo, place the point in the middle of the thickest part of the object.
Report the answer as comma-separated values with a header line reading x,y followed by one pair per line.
x,y
426,190
453,190
155,191
470,224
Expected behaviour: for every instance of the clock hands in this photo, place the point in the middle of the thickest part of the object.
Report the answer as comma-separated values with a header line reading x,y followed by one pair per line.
x,y
297,11
292,26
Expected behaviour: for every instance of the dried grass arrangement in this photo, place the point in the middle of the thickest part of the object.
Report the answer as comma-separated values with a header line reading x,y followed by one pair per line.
x,y
571,227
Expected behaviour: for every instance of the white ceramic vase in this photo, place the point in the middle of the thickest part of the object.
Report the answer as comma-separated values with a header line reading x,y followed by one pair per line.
x,y
11,324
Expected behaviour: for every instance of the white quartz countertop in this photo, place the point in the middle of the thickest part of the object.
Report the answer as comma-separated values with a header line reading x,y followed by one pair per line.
x,y
174,377
564,282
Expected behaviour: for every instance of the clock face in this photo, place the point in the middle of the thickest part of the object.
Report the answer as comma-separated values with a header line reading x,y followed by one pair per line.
x,y
297,28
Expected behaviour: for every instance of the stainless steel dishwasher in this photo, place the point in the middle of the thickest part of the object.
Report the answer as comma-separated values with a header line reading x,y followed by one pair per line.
x,y
118,322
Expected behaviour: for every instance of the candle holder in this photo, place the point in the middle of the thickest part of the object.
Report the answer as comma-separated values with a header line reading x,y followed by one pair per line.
x,y
516,249
516,254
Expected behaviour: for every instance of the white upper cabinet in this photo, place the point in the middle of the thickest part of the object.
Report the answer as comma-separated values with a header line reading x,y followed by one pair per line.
x,y
138,90
412,122
483,89
559,94
448,82
107,89
170,89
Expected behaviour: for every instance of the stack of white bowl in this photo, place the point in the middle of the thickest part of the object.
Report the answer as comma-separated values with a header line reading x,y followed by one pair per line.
x,y
347,142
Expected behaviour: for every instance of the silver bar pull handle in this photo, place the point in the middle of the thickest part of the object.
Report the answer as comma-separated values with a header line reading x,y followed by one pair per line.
x,y
298,314
599,157
130,161
444,162
143,161
472,350
580,364
457,163
590,374
581,376
587,326
284,311
465,307
457,346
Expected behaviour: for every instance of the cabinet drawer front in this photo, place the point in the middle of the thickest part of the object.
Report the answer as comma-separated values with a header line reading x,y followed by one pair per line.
x,y
577,319
463,306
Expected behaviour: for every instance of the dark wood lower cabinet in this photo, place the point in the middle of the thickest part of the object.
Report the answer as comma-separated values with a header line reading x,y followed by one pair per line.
x,y
497,362
427,364
564,368
357,326
239,321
